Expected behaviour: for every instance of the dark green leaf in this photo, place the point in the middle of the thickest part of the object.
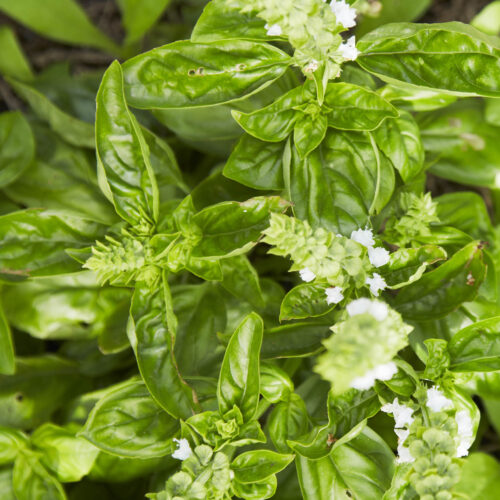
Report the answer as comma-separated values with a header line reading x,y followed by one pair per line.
x,y
452,57
441,291
14,62
185,74
239,375
256,164
152,331
308,133
127,422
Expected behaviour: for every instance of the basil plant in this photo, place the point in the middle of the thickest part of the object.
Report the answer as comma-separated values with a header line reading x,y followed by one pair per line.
x,y
304,307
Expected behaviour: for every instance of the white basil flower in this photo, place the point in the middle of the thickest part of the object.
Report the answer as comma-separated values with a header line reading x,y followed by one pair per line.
x,y
307,275
404,455
376,284
437,401
378,256
402,414
274,30
376,308
183,450
465,433
385,371
334,295
363,383
348,49
312,66
363,237
381,372
344,13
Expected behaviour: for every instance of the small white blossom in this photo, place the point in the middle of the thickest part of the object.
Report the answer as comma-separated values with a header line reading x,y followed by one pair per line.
x,y
344,13
348,49
312,66
380,372
376,308
402,414
334,295
402,435
404,455
183,450
385,371
378,256
465,433
376,283
364,237
437,401
274,30
363,383
307,275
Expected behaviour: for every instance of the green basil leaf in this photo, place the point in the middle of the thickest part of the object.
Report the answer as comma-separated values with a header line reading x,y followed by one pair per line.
x,y
12,442
70,306
7,361
308,133
293,340
306,300
34,242
275,384
400,141
275,122
242,280
356,108
256,164
201,314
349,409
461,145
231,228
39,387
480,477
288,420
258,465
124,167
452,57
239,375
476,347
14,62
441,291
32,481
151,330
220,22
68,456
127,422
17,147
6,487
406,264
186,75
257,490
416,99
361,468
71,129
338,186
138,18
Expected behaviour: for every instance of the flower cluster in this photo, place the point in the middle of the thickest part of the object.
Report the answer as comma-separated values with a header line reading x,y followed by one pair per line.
x,y
413,220
363,346
430,441
312,27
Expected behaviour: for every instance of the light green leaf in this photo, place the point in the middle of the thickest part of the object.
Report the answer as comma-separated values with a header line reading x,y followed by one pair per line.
x,y
67,456
12,442
124,167
7,361
14,62
488,20
72,27
71,129
239,375
361,468
452,57
306,300
17,146
258,465
480,478
186,75
128,423
138,16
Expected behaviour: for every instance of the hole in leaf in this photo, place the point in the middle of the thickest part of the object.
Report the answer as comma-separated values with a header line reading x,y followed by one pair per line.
x,y
19,397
